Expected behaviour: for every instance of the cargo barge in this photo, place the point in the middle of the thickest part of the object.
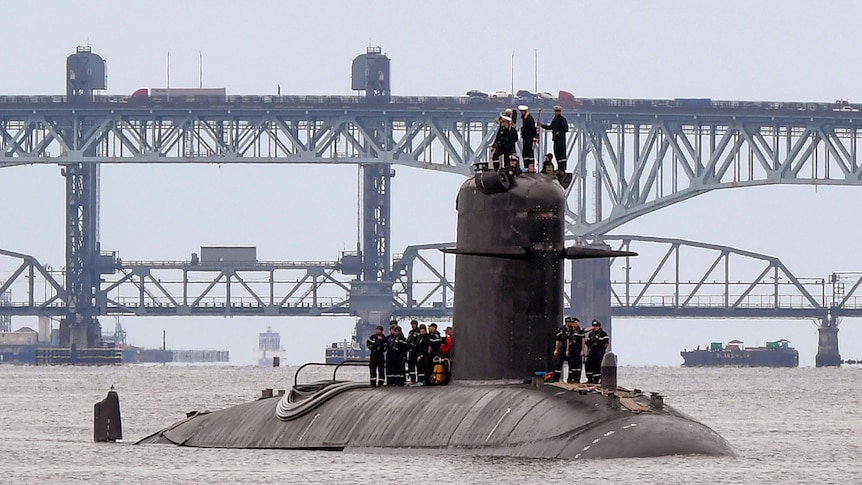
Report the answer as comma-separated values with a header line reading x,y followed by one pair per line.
x,y
736,354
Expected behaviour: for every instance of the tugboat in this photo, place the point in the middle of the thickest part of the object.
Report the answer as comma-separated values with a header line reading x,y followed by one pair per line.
x,y
736,354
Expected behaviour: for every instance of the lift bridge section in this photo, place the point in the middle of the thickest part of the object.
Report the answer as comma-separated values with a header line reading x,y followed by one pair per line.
x,y
671,278
629,157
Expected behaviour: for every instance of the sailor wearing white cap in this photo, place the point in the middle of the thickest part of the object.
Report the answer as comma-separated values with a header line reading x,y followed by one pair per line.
x,y
559,126
504,142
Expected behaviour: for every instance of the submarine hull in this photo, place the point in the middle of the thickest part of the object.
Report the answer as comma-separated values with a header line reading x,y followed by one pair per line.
x,y
508,305
514,420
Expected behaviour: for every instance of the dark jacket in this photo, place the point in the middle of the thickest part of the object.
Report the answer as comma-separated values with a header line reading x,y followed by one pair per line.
x,y
598,341
505,140
434,340
558,126
376,345
528,128
576,340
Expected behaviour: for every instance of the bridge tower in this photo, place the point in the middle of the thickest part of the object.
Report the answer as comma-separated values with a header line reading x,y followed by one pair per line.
x,y
371,293
79,327
370,73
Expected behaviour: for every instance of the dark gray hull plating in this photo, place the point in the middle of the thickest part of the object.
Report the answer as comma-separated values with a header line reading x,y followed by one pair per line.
x,y
494,419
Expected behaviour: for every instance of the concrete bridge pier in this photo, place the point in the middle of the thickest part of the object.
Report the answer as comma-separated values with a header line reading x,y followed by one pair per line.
x,y
591,290
827,344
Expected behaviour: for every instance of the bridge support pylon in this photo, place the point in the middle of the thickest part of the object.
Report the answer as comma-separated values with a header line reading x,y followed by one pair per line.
x,y
591,290
827,345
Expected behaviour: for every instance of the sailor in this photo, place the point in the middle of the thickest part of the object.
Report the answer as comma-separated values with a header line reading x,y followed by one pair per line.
x,y
413,341
376,345
528,135
559,126
423,356
504,142
446,346
511,114
435,339
575,351
395,356
514,168
560,340
597,343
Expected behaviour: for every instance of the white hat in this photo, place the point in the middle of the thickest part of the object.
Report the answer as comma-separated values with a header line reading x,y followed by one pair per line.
x,y
522,107
506,118
557,108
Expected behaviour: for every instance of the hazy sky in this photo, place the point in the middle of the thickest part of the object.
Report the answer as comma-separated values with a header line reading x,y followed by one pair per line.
x,y
742,50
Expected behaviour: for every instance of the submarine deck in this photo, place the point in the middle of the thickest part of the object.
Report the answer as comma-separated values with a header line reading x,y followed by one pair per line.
x,y
550,420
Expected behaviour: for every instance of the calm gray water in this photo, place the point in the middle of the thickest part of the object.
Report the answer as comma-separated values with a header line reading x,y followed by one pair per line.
x,y
788,425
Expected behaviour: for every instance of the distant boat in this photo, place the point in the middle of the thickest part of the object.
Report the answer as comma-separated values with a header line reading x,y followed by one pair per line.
x,y
736,354
338,352
269,347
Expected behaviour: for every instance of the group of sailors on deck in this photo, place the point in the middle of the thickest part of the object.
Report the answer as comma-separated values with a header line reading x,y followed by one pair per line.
x,y
579,348
423,355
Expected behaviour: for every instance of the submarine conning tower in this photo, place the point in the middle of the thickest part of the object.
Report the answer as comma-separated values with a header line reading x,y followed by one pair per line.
x,y
509,275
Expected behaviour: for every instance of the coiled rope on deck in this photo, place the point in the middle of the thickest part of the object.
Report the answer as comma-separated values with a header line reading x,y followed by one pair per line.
x,y
306,397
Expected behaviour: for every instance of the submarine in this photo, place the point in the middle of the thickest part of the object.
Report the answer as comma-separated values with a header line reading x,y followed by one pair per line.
x,y
509,277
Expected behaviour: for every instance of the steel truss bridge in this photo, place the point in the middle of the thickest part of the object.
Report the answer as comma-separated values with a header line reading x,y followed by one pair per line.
x,y
682,279
628,157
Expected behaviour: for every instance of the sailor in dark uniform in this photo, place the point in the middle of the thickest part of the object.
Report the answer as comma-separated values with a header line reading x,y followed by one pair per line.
x,y
376,345
396,356
423,356
559,126
597,343
514,168
576,351
560,344
413,341
504,143
528,136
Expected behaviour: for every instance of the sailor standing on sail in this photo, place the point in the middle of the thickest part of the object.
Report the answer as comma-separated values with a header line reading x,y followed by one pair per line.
x,y
528,136
559,126
504,143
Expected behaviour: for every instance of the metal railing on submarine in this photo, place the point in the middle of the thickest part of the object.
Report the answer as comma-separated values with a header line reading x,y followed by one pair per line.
x,y
304,398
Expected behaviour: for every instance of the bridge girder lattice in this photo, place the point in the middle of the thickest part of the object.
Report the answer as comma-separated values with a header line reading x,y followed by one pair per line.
x,y
628,159
670,278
